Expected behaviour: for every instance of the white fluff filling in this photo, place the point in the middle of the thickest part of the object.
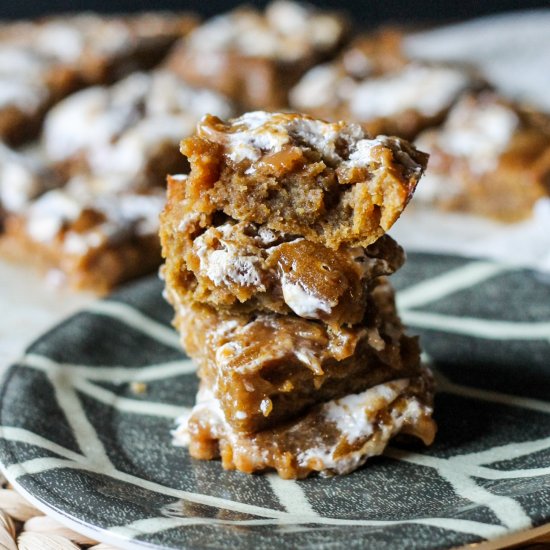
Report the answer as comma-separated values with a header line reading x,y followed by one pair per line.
x,y
227,265
302,302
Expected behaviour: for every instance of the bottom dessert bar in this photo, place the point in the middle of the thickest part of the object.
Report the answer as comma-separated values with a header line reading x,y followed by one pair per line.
x,y
266,368
88,240
331,438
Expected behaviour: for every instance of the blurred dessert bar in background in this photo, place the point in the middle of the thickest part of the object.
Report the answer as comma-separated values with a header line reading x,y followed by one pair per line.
x,y
255,57
490,157
132,127
89,215
402,102
44,60
88,239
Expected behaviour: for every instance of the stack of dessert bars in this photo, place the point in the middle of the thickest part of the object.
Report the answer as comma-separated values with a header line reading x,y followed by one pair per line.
x,y
276,265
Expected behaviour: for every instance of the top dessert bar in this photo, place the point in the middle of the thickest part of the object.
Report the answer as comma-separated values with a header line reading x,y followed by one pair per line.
x,y
42,61
256,57
328,182
491,157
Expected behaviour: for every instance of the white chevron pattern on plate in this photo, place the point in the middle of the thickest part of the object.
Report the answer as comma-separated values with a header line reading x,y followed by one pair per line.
x,y
88,438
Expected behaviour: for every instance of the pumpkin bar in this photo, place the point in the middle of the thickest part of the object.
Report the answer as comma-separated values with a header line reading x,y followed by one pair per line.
x,y
276,264
491,158
324,88
403,102
243,267
132,127
44,60
266,368
335,437
85,237
108,149
255,57
330,183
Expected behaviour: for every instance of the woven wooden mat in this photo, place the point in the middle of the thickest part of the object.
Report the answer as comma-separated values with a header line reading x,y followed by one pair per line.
x,y
23,527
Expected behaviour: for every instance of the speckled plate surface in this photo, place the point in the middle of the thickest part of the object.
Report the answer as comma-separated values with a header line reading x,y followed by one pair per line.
x,y
86,417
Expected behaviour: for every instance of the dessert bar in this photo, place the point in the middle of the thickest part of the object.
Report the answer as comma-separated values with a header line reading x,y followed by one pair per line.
x,y
401,102
265,368
241,266
335,437
324,89
89,215
491,157
44,60
255,57
84,237
131,127
330,183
